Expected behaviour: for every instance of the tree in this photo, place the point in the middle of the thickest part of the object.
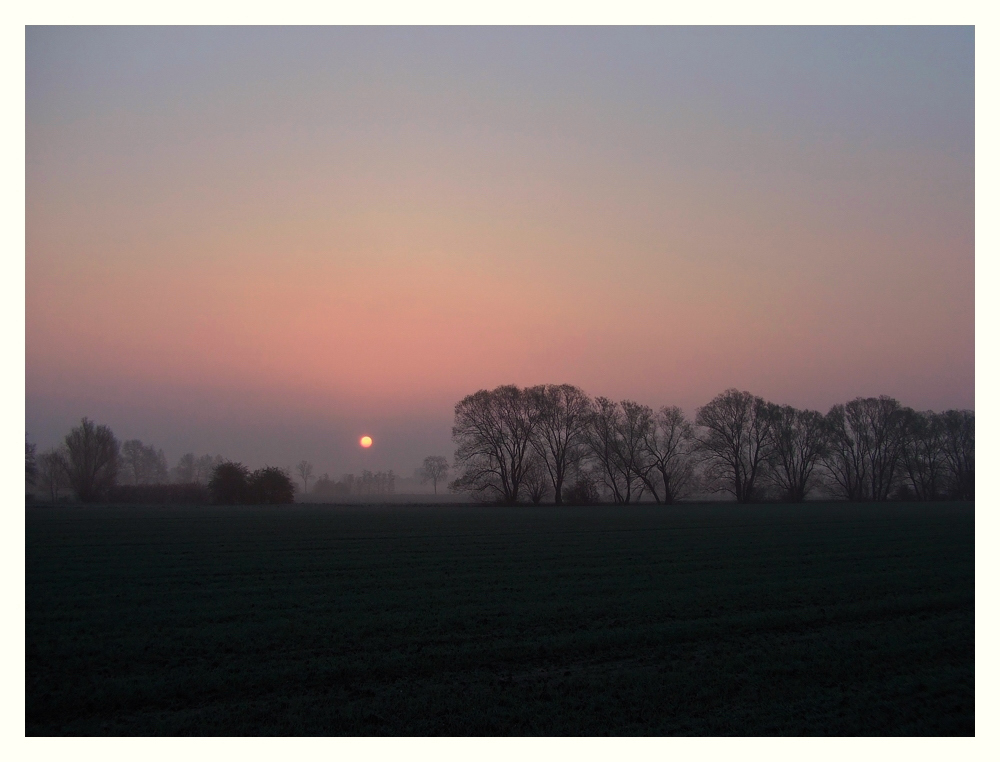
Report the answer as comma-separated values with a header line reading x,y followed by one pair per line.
x,y
435,469
142,464
866,440
305,471
959,444
492,432
798,439
536,479
205,466
53,470
185,469
615,435
734,442
229,484
922,454
270,486
668,443
560,432
93,454
30,463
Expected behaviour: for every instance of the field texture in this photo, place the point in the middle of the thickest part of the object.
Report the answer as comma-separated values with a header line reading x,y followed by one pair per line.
x,y
312,620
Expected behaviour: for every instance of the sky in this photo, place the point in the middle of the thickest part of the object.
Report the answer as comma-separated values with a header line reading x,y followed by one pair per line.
x,y
266,242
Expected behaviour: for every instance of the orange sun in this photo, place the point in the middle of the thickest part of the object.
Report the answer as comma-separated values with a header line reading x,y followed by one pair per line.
x,y
366,441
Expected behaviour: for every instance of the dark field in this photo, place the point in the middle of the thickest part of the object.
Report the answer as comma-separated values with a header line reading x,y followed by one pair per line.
x,y
305,620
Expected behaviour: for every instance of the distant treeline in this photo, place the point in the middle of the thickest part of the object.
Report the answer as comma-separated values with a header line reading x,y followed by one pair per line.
x,y
555,442
95,467
369,484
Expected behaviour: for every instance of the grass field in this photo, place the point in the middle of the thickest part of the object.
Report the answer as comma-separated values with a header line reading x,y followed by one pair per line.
x,y
698,619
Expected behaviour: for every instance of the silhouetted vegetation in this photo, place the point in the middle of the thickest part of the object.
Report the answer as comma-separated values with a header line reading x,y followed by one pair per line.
x,y
434,469
305,471
369,484
234,484
515,445
92,461
142,464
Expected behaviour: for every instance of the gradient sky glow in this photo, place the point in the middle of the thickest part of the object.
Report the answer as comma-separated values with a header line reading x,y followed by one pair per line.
x,y
267,242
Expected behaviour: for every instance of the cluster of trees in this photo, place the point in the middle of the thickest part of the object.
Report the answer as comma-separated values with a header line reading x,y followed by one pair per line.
x,y
234,484
98,468
515,444
369,484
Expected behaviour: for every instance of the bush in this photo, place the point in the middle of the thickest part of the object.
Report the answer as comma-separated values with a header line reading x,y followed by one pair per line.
x,y
233,484
271,486
229,484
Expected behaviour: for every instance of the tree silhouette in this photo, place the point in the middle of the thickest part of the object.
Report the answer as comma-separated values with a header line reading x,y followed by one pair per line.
x,y
435,468
614,436
305,471
866,443
798,439
734,442
560,432
229,484
270,486
668,442
93,454
492,432
53,472
30,463
959,445
142,464
922,454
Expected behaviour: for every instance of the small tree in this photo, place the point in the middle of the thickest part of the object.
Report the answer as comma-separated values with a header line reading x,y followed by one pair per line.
x,y
53,470
30,463
435,469
229,484
305,471
93,455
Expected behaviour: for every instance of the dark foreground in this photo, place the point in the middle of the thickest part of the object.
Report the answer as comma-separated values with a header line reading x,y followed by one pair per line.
x,y
702,619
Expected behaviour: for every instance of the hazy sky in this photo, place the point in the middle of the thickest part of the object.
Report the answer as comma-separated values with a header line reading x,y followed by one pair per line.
x,y
267,242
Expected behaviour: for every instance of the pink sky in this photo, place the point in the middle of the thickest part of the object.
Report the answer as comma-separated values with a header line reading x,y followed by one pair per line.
x,y
265,246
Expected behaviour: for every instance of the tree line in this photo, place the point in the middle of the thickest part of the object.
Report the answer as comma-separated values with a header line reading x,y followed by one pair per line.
x,y
98,468
555,442
368,484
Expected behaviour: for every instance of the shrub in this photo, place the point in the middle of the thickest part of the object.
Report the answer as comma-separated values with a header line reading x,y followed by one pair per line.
x,y
271,486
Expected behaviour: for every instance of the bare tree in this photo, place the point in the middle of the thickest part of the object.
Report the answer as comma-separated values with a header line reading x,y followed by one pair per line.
x,y
142,464
798,439
866,441
735,442
30,462
53,472
305,471
184,470
435,469
560,434
959,444
668,442
492,432
923,454
615,437
536,478
205,466
93,455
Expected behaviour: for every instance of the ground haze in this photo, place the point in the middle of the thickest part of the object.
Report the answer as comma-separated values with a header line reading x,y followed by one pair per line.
x,y
697,619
